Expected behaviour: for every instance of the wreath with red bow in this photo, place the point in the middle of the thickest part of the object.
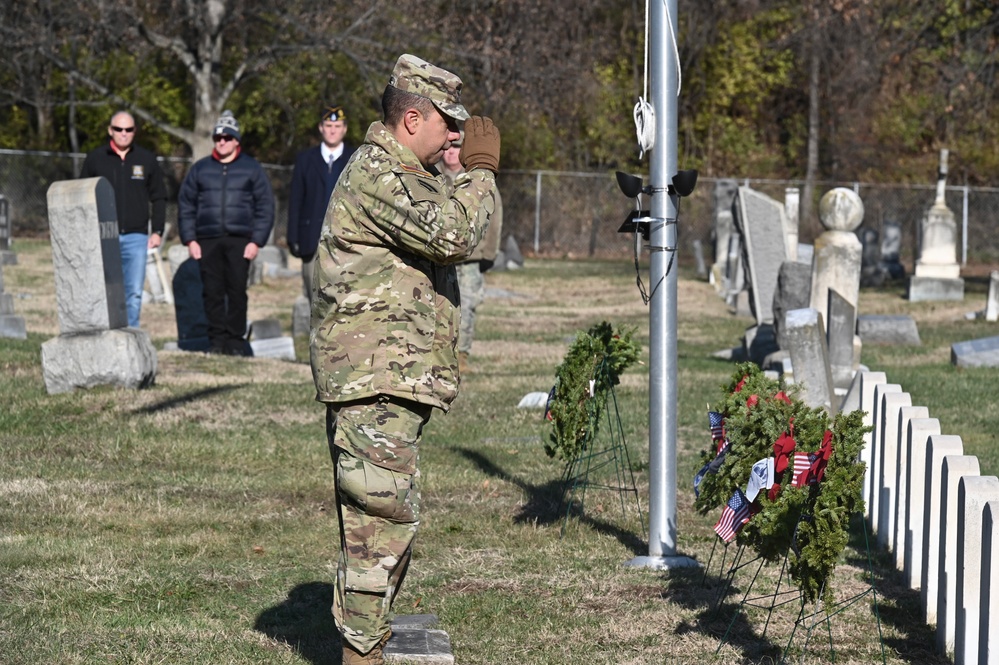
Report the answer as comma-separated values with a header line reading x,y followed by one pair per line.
x,y
785,478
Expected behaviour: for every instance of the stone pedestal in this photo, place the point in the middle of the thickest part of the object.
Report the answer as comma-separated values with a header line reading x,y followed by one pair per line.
x,y
838,253
124,358
922,289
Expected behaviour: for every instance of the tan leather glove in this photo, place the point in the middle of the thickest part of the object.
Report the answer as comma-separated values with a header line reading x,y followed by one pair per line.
x,y
481,149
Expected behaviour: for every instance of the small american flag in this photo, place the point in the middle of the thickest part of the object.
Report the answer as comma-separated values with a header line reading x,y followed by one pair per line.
x,y
717,423
734,515
801,474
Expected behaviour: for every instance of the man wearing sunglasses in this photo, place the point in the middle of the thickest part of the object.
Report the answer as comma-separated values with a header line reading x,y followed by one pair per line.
x,y
225,215
137,180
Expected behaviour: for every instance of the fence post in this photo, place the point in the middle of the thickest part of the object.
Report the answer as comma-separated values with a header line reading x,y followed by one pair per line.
x,y
964,229
537,215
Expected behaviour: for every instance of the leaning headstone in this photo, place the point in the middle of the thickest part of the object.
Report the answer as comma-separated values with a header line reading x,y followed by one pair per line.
x,y
842,324
992,304
836,261
11,326
724,196
976,353
806,341
917,440
7,255
761,223
988,630
938,275
939,447
955,467
189,306
893,329
301,317
94,346
794,288
973,493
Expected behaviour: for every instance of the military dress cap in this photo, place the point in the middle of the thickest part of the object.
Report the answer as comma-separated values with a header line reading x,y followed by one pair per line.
x,y
333,113
412,74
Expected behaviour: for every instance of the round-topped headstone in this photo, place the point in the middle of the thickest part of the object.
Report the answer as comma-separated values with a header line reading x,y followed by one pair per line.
x,y
841,209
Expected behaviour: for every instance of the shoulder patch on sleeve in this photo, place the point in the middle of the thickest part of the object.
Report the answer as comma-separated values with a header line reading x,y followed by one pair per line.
x,y
422,187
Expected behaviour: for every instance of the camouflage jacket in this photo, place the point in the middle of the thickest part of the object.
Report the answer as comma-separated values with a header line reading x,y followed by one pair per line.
x,y
485,252
385,310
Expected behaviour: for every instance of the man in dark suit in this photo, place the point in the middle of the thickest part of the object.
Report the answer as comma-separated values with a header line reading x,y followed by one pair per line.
x,y
316,172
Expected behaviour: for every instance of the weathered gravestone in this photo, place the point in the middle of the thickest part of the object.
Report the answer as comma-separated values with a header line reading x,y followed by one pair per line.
x,y
267,341
955,467
794,288
301,317
976,353
988,629
762,227
939,448
7,255
843,359
973,493
894,329
94,346
189,307
871,273
11,326
806,340
992,304
723,227
415,639
938,276
891,250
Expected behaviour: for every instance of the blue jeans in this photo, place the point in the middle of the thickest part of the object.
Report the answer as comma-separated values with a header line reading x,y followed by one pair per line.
x,y
134,247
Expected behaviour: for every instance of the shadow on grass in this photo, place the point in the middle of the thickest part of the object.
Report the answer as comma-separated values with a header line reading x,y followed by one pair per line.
x,y
186,398
544,504
898,606
304,623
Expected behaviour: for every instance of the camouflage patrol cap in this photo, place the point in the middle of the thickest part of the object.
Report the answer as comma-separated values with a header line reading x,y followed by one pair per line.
x,y
419,77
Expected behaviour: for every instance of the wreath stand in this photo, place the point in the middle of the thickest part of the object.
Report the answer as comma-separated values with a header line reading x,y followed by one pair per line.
x,y
807,620
579,472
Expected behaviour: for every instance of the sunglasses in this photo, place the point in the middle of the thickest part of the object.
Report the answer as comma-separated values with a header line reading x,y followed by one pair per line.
x,y
224,138
127,130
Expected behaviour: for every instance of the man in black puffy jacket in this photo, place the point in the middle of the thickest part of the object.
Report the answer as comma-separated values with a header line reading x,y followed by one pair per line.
x,y
225,215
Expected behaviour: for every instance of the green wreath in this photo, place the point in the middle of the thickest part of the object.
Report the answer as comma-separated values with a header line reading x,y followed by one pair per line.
x,y
811,523
599,355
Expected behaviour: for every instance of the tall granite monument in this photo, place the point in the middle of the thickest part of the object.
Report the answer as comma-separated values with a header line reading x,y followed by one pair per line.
x,y
94,346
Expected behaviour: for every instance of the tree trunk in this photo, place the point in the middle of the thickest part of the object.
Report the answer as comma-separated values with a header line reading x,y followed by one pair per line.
x,y
807,208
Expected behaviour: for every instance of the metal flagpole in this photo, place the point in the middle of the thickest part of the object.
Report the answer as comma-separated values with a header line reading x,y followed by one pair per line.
x,y
664,78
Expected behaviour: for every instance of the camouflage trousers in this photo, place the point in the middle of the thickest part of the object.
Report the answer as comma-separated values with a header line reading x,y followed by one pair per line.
x,y
472,287
378,509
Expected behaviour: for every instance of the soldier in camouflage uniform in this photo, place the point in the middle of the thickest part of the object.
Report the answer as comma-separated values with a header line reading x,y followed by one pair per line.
x,y
471,283
385,313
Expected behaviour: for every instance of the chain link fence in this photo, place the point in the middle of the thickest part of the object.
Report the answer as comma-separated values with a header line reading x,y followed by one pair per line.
x,y
568,214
